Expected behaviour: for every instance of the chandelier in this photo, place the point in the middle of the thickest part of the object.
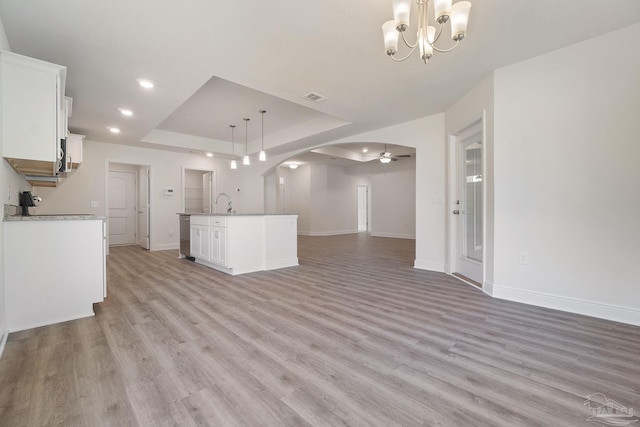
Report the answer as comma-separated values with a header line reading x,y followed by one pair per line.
x,y
427,35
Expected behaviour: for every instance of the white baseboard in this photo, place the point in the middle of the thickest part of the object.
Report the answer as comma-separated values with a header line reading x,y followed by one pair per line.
x,y
487,288
572,305
165,246
326,233
281,263
3,337
429,265
50,321
393,235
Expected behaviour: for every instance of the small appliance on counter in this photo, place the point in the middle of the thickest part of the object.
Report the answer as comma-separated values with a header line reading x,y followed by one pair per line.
x,y
27,200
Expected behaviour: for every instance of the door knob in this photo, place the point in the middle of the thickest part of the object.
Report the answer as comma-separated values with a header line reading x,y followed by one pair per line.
x,y
456,212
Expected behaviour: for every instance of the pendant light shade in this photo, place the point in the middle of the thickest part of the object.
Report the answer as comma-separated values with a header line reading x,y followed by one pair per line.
x,y
245,160
234,164
263,155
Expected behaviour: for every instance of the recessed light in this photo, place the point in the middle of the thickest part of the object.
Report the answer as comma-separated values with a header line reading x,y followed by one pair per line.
x,y
365,150
209,154
125,112
293,166
114,130
147,84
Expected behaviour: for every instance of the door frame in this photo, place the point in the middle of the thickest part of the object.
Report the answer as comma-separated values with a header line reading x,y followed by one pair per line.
x,y
183,181
366,208
453,190
107,168
146,241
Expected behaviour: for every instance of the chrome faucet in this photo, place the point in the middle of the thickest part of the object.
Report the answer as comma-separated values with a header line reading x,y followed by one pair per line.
x,y
229,207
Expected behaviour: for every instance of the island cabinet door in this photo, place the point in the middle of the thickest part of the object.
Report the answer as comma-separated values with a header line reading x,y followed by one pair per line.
x,y
201,242
219,246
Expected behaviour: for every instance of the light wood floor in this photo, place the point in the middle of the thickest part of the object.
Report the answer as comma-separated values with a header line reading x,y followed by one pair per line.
x,y
353,336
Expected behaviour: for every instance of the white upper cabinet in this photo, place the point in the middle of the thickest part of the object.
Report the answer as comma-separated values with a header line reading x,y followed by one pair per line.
x,y
32,104
74,149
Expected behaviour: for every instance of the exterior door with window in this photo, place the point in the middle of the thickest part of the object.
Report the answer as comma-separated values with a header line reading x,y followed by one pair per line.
x,y
469,205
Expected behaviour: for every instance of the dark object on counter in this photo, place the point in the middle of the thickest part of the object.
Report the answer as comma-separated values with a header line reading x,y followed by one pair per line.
x,y
26,201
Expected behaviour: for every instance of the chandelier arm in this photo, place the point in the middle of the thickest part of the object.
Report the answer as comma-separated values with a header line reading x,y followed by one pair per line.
x,y
409,45
402,59
437,37
446,50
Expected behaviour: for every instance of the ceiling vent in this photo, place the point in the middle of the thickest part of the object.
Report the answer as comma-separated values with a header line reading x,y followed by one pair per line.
x,y
315,97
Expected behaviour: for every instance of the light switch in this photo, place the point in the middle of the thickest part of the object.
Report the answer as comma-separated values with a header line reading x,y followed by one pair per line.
x,y
94,204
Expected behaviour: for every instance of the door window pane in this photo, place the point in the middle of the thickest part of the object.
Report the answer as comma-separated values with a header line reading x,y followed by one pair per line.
x,y
472,197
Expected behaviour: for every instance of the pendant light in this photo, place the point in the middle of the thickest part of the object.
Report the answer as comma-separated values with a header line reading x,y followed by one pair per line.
x,y
263,155
245,160
234,164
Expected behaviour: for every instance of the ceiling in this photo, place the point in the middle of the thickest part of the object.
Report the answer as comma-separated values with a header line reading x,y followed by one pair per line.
x,y
217,62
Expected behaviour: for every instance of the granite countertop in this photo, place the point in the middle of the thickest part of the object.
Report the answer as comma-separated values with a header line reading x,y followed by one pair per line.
x,y
235,214
56,217
12,213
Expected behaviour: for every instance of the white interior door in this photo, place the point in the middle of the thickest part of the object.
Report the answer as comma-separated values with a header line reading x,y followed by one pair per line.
x,y
143,207
469,205
363,211
122,208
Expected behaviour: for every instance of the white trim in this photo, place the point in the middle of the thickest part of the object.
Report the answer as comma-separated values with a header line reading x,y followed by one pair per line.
x,y
429,265
281,263
26,326
326,233
612,312
165,246
3,339
393,235
487,288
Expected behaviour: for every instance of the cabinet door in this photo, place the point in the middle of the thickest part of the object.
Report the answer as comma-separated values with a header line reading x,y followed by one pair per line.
x,y
30,106
74,149
222,246
215,245
201,242
195,241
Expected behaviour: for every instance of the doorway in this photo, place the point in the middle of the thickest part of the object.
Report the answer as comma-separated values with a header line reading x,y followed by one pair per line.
x,y
198,189
468,205
363,208
128,204
122,208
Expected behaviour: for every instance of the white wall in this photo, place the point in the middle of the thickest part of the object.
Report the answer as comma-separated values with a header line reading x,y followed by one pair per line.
x,y
298,184
392,197
566,178
87,184
325,197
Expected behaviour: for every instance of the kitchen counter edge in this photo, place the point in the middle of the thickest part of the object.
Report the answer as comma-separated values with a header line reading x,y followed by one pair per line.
x,y
61,217
238,214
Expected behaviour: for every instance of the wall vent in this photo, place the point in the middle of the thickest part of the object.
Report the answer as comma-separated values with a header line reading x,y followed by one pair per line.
x,y
315,97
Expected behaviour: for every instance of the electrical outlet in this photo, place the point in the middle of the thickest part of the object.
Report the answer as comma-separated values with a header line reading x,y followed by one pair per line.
x,y
94,204
171,232
523,258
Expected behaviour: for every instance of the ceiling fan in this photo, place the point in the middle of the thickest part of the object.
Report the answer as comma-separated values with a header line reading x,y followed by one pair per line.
x,y
386,156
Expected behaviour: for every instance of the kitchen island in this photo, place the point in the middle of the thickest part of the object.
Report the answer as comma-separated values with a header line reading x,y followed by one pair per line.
x,y
243,243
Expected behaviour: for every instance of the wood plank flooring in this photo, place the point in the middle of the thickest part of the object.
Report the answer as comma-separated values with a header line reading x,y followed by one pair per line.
x,y
354,336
